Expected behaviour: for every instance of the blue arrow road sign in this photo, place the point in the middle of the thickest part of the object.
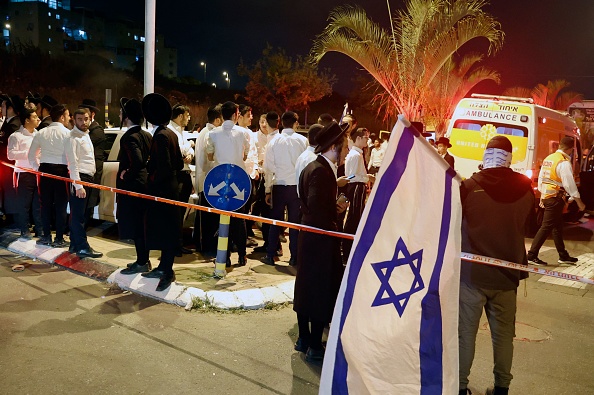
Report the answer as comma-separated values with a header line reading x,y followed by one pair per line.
x,y
227,187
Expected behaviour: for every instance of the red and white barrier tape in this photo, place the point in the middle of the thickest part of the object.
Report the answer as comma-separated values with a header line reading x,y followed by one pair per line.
x,y
465,255
530,269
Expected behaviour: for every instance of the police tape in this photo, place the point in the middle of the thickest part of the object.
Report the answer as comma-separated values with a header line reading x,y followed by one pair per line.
x,y
475,258
255,218
465,255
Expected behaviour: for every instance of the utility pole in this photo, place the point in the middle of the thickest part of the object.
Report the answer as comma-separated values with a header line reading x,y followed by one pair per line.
x,y
149,46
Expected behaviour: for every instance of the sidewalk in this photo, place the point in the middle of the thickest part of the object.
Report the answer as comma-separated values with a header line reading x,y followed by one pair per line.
x,y
252,286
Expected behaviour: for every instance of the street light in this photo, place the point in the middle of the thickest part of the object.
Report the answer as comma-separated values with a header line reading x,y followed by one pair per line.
x,y
228,81
213,84
203,64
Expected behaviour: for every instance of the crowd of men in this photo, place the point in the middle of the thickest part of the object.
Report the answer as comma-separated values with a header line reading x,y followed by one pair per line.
x,y
321,180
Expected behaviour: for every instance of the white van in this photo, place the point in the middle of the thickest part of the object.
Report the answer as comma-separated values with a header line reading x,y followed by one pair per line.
x,y
533,130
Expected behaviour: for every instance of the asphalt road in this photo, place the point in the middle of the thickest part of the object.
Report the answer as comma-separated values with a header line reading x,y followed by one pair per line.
x,y
61,333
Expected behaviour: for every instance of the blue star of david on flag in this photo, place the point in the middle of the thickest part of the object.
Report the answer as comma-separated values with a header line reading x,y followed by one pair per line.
x,y
384,270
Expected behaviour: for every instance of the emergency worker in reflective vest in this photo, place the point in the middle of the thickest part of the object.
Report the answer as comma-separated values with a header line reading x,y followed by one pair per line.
x,y
555,182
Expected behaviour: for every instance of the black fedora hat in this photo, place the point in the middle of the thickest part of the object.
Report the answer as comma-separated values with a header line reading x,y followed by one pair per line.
x,y
131,109
48,102
445,141
15,102
90,104
156,109
34,98
331,134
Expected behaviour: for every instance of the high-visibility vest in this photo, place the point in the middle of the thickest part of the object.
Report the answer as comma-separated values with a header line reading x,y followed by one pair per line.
x,y
551,183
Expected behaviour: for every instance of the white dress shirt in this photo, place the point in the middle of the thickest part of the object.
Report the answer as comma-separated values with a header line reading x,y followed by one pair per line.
x,y
229,144
18,148
251,163
51,141
203,165
565,172
377,156
332,166
354,165
184,145
304,159
281,156
80,155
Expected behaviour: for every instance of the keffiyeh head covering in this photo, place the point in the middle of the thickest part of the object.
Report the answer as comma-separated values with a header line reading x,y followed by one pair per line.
x,y
498,153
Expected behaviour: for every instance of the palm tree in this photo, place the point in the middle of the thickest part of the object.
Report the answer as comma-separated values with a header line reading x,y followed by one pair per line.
x,y
552,95
407,62
453,82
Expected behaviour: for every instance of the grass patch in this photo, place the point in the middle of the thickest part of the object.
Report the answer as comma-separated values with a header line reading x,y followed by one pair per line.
x,y
205,305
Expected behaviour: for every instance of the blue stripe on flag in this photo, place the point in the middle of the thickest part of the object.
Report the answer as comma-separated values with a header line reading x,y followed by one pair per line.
x,y
385,189
431,347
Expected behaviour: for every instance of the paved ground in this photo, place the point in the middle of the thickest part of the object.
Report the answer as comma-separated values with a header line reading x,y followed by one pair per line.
x,y
62,333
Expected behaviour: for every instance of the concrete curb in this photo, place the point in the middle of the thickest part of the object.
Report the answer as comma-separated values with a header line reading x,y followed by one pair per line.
x,y
177,294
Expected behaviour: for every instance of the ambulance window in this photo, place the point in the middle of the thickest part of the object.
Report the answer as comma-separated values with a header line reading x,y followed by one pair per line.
x,y
509,130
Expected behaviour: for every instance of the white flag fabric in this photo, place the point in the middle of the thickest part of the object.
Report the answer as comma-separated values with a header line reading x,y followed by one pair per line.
x,y
395,324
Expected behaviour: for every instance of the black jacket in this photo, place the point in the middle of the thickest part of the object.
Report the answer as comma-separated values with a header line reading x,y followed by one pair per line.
x,y
133,157
496,204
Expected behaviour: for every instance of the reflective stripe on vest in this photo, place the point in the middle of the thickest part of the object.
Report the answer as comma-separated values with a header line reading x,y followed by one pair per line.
x,y
550,180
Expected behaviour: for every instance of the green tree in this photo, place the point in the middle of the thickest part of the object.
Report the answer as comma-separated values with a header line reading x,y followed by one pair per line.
x,y
409,63
279,82
554,94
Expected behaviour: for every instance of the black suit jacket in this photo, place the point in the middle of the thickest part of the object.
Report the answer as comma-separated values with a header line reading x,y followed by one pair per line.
x,y
165,161
133,157
45,122
6,130
450,159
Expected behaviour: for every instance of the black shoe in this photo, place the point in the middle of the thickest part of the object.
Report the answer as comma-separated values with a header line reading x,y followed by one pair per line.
x,y
26,235
313,355
279,252
242,261
44,241
250,242
282,239
301,346
267,261
497,391
186,251
165,281
536,261
568,259
71,249
260,249
465,391
89,253
59,243
155,273
292,262
136,268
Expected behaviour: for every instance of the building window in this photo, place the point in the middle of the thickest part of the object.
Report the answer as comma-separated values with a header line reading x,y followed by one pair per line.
x,y
142,39
49,40
49,14
58,16
128,34
49,27
135,37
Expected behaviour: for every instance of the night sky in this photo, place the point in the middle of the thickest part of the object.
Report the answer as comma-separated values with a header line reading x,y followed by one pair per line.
x,y
545,39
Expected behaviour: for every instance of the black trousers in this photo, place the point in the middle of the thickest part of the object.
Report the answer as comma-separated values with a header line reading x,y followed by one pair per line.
x,y
206,227
237,233
249,224
185,190
313,336
54,198
356,193
78,206
552,222
28,197
284,196
262,209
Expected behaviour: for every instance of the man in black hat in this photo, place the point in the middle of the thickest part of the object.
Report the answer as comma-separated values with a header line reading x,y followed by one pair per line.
x,y
132,176
97,135
44,108
11,107
496,203
320,268
163,228
443,143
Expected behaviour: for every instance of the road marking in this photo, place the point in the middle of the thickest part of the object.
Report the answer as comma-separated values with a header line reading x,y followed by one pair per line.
x,y
584,268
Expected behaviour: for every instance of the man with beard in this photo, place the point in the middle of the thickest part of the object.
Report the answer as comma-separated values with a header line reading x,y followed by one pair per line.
x,y
81,165
320,268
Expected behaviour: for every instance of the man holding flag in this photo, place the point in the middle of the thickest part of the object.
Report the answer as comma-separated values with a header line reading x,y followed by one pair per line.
x,y
496,203
395,324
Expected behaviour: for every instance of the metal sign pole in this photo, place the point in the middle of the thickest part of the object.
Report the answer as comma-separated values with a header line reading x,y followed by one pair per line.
x,y
221,260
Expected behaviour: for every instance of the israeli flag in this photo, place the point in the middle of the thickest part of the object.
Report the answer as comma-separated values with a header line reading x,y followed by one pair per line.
x,y
395,324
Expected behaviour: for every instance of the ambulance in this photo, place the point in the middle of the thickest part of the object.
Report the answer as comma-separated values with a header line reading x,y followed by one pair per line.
x,y
533,130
